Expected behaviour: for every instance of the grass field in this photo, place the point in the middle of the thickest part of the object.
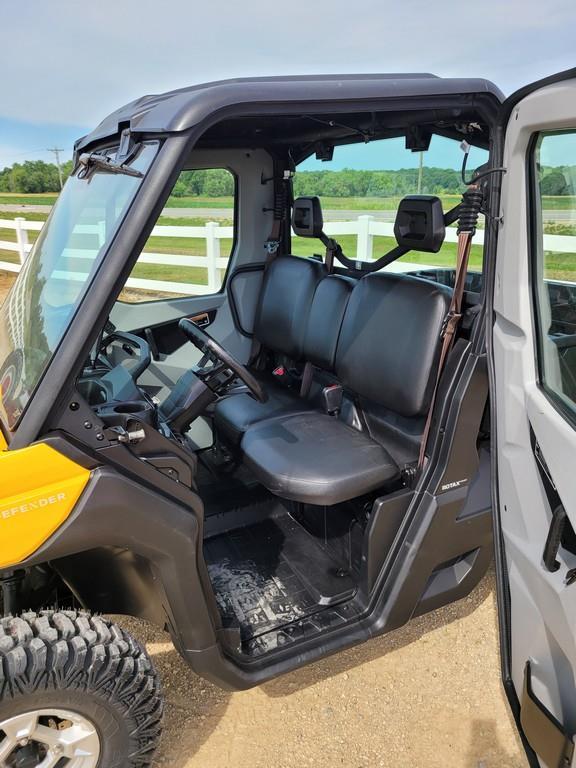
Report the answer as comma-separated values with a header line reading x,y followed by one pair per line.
x,y
7,198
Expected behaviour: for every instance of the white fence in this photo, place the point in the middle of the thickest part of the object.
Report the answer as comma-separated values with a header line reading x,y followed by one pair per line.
x,y
365,228
212,233
21,246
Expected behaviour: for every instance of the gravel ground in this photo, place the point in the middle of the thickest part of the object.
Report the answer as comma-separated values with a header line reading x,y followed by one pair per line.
x,y
428,695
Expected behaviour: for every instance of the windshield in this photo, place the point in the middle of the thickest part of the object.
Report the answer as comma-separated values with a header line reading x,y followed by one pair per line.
x,y
58,273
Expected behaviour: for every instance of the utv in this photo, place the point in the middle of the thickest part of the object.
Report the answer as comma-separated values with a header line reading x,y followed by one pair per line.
x,y
309,456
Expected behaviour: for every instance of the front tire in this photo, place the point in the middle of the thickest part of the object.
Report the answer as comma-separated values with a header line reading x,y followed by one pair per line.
x,y
70,670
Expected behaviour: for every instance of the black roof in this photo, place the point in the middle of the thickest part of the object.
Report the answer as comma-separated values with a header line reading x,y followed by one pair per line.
x,y
182,109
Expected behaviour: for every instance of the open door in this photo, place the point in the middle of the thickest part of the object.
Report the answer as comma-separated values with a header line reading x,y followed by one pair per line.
x,y
533,357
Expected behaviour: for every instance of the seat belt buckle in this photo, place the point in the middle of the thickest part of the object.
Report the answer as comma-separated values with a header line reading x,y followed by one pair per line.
x,y
288,377
408,473
332,397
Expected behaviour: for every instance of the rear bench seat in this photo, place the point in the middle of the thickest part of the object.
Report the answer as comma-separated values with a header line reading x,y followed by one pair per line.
x,y
380,336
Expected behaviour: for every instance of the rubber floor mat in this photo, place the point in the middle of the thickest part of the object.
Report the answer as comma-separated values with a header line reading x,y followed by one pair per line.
x,y
259,590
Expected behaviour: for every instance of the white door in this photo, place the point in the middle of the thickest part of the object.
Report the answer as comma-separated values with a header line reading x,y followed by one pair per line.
x,y
534,399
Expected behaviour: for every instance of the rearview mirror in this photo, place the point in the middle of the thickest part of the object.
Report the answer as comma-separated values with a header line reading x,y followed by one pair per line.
x,y
419,223
307,219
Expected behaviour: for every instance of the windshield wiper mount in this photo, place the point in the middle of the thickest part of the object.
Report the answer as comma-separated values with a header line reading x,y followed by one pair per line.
x,y
94,161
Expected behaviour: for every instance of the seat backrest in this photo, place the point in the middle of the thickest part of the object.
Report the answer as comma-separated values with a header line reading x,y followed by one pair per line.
x,y
389,342
285,302
325,320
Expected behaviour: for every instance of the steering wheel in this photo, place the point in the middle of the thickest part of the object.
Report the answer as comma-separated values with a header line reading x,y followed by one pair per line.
x,y
222,362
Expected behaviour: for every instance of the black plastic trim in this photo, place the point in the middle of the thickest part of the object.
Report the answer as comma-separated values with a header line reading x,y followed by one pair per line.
x,y
258,267
188,108
116,514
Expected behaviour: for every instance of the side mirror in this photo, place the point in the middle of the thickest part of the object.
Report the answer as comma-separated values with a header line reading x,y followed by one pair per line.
x,y
307,219
419,223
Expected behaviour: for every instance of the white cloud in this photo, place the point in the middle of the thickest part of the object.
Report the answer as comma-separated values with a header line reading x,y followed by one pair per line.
x,y
71,62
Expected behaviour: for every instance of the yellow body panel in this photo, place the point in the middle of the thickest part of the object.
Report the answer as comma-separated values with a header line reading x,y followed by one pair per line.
x,y
39,488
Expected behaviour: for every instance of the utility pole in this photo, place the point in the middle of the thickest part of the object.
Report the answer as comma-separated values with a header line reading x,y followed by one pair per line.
x,y
420,169
56,151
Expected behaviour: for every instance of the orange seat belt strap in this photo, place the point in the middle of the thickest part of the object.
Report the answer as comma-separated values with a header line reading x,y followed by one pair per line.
x,y
454,315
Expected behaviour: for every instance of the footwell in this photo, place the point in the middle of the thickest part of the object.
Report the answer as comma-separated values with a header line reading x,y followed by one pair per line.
x,y
273,582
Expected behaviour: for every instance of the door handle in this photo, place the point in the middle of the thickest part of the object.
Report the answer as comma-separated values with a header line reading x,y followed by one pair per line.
x,y
201,320
554,539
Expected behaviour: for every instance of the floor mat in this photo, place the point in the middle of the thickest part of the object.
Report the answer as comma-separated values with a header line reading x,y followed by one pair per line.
x,y
257,573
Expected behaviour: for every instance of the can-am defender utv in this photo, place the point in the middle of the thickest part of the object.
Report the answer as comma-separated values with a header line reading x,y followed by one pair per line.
x,y
304,458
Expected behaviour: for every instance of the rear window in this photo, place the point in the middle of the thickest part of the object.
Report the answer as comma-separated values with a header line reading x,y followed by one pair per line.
x,y
361,187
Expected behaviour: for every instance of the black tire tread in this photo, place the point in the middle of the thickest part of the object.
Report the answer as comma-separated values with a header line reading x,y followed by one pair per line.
x,y
74,650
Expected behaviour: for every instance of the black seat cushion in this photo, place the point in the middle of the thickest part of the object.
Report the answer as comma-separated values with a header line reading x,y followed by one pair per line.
x,y
325,320
235,414
316,459
285,302
390,341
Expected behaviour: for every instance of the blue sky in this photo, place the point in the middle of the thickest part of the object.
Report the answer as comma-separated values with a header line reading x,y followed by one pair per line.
x,y
21,140
391,155
65,64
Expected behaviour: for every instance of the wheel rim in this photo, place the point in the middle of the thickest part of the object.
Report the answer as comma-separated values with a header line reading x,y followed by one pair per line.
x,y
47,738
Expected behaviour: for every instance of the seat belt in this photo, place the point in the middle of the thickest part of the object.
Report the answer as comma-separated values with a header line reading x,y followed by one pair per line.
x,y
467,220
274,239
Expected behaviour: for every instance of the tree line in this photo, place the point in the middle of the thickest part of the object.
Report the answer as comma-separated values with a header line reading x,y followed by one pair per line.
x,y
326,183
354,183
33,176
36,176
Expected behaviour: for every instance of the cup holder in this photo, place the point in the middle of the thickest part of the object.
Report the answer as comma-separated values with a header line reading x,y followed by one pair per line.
x,y
121,414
